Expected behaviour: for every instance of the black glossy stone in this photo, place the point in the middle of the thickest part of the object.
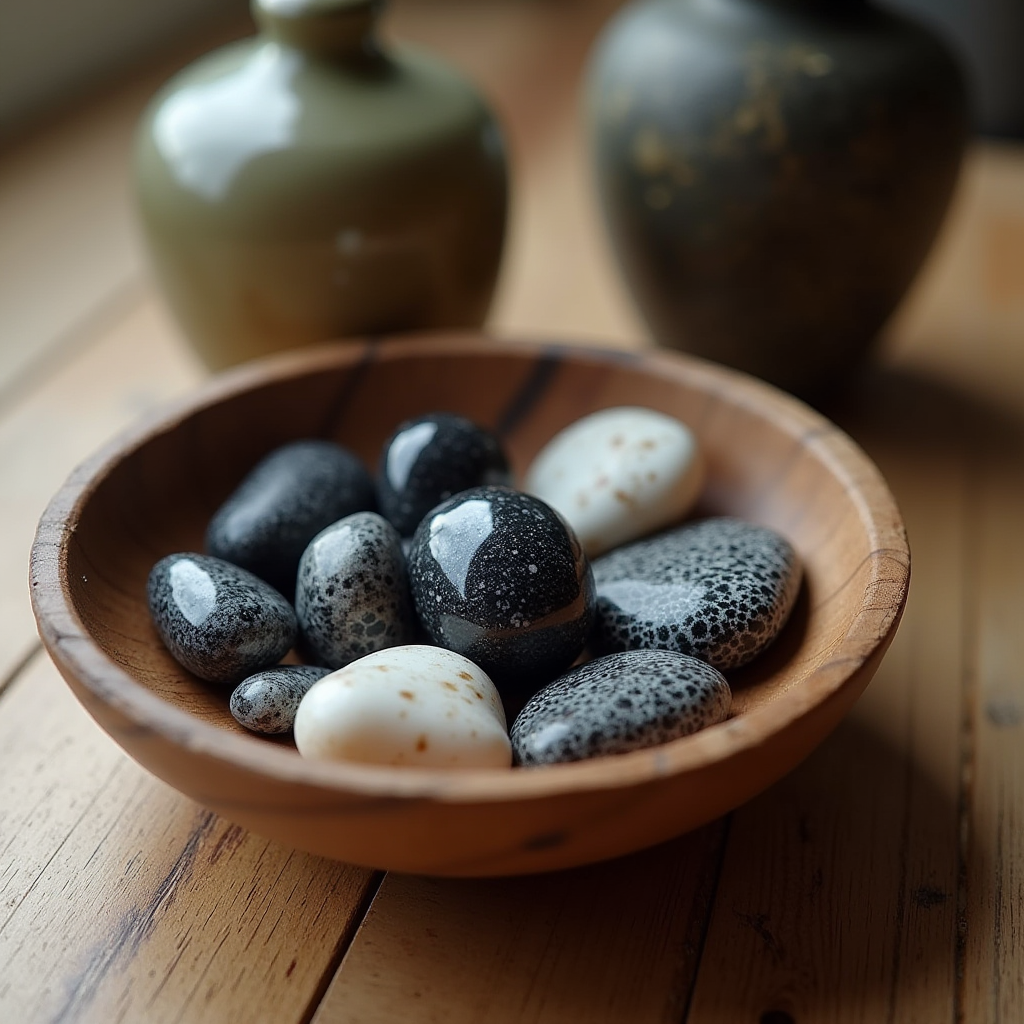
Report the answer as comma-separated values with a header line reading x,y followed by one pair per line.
x,y
219,621
619,703
499,577
719,589
267,701
283,503
429,459
352,593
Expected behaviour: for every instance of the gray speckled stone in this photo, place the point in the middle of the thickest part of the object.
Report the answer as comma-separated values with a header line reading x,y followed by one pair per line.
x,y
219,621
267,701
352,594
719,589
619,703
283,503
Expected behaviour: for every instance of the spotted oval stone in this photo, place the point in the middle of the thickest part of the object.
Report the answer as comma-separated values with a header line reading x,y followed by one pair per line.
x,y
414,705
283,503
618,475
429,459
267,702
719,589
619,703
500,578
352,593
217,620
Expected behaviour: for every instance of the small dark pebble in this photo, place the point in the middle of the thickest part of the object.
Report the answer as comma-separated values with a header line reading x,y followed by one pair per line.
x,y
267,702
619,703
283,503
429,459
219,621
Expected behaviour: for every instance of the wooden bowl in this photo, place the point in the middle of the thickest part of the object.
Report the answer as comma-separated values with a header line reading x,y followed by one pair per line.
x,y
771,460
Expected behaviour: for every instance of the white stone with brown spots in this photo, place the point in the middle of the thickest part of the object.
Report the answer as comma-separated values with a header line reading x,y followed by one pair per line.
x,y
414,705
619,474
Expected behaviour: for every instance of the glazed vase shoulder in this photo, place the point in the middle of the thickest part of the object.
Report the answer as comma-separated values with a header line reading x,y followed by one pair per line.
x,y
773,173
309,184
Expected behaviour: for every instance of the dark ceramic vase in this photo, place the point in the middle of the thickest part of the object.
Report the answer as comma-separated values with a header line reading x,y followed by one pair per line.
x,y
310,183
773,174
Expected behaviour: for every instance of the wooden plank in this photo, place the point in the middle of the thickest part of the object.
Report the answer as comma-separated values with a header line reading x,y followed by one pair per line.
x,y
69,251
122,901
558,279
616,942
837,899
964,320
993,963
133,366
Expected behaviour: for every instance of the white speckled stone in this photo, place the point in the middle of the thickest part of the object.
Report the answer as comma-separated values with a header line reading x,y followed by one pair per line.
x,y
619,474
415,705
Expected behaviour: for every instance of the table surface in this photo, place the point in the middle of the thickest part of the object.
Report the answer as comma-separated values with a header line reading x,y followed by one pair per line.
x,y
882,881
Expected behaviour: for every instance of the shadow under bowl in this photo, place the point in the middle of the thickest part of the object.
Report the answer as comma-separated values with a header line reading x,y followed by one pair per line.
x,y
770,459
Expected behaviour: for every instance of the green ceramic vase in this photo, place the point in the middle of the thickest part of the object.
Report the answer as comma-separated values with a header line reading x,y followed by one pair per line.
x,y
773,173
310,184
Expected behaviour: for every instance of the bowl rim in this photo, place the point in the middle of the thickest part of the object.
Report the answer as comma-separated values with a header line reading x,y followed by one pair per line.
x,y
871,627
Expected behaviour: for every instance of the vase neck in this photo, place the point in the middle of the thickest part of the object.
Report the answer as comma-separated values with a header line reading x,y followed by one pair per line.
x,y
327,28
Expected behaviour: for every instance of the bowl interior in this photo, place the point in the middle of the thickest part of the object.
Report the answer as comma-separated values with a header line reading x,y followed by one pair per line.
x,y
770,460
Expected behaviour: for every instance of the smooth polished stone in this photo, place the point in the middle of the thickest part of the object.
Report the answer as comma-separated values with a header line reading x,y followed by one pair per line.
x,y
718,589
429,459
283,503
352,593
416,705
619,703
619,474
267,702
217,620
498,576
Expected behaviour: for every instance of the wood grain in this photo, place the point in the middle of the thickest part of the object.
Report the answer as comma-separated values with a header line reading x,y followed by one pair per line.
x,y
129,367
121,901
993,953
617,942
839,887
70,259
558,277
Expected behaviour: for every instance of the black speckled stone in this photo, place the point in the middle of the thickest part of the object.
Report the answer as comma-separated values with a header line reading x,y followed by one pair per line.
x,y
619,703
429,459
267,701
719,589
499,577
352,594
219,621
284,502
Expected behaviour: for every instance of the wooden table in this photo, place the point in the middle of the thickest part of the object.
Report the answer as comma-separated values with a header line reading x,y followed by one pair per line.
x,y
882,881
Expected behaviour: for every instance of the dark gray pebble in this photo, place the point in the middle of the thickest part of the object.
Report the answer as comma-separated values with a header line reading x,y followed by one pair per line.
x,y
352,594
719,589
267,701
619,703
499,577
283,503
219,621
429,459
